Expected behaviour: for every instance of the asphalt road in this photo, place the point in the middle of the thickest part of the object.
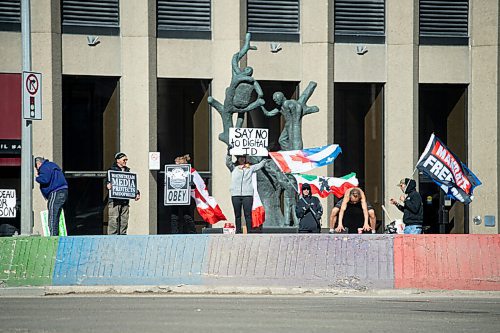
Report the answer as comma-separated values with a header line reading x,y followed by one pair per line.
x,y
77,313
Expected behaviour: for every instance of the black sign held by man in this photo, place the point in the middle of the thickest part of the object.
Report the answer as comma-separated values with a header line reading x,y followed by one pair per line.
x,y
123,185
177,184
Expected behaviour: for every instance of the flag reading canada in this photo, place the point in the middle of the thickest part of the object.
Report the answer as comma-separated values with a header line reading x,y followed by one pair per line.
x,y
447,171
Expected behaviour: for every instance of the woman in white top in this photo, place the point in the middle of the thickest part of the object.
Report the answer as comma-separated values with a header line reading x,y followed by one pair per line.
x,y
242,188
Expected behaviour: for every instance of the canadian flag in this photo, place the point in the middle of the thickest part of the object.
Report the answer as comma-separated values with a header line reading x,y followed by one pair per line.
x,y
258,212
206,205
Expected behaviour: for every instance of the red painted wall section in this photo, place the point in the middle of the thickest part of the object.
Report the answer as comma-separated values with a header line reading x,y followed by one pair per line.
x,y
461,262
10,113
10,106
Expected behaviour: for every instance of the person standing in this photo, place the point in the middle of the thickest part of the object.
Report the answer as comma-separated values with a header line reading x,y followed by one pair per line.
x,y
181,217
118,209
412,206
242,188
309,211
54,188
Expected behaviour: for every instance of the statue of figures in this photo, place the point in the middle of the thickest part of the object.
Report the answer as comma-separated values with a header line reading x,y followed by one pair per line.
x,y
238,97
292,111
291,139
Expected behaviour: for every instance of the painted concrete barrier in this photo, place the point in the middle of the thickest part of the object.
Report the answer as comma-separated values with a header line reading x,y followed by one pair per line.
x,y
130,260
349,261
27,261
230,260
466,262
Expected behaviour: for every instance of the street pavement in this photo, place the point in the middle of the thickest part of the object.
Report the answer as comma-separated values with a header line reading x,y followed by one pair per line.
x,y
155,312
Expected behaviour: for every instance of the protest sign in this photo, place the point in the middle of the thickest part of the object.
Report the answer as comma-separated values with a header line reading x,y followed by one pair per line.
x,y
177,184
44,216
248,141
7,203
123,185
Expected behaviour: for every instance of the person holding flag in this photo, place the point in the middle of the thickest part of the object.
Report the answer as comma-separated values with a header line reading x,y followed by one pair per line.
x,y
309,211
411,206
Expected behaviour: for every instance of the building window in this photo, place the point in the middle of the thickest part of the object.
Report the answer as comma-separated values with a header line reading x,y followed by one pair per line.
x,y
90,17
10,15
444,22
277,20
183,19
359,21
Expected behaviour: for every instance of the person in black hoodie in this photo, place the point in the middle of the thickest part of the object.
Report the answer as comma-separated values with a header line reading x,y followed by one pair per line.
x,y
118,209
309,211
412,207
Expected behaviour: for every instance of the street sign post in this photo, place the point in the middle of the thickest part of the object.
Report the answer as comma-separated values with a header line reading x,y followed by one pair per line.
x,y
32,96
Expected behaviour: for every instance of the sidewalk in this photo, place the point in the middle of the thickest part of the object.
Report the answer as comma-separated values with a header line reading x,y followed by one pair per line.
x,y
226,291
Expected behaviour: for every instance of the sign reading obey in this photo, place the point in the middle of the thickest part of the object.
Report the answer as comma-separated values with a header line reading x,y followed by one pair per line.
x,y
123,185
248,141
177,184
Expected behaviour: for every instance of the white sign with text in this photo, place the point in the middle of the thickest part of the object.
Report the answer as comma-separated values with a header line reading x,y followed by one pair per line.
x,y
7,203
248,141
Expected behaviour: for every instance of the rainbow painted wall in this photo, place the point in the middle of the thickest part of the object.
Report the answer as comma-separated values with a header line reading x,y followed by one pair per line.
x,y
464,262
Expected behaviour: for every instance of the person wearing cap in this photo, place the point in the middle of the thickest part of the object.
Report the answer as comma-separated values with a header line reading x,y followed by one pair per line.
x,y
309,211
242,188
118,209
54,188
411,206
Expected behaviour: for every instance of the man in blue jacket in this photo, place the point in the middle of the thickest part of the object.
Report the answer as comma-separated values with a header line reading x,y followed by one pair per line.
x,y
54,188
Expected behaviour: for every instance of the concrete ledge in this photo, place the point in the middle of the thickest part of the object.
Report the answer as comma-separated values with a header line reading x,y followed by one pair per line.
x,y
465,262
27,261
345,261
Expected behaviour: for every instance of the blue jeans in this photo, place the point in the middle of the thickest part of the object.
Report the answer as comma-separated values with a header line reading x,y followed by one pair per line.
x,y
54,205
413,229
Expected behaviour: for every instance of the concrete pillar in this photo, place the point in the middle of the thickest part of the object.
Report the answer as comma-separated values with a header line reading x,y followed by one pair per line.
x,y
401,95
138,106
46,59
317,65
484,92
228,34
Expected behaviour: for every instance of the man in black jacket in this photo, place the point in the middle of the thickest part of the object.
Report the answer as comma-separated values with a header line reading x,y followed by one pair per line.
x,y
412,207
118,209
309,211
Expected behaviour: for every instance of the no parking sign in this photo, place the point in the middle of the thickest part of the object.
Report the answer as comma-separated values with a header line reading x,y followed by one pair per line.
x,y
32,95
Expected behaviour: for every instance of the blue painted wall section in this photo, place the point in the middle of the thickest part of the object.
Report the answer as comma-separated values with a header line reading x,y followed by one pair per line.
x,y
337,261
130,260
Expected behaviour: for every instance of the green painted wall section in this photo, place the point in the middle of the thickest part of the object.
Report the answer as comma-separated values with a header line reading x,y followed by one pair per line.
x,y
27,261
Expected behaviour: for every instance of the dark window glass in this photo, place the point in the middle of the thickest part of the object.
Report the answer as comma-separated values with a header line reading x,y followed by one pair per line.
x,y
183,18
359,21
90,139
276,20
90,16
10,15
444,22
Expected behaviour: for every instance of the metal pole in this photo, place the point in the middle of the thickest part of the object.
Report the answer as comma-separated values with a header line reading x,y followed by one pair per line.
x,y
26,130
